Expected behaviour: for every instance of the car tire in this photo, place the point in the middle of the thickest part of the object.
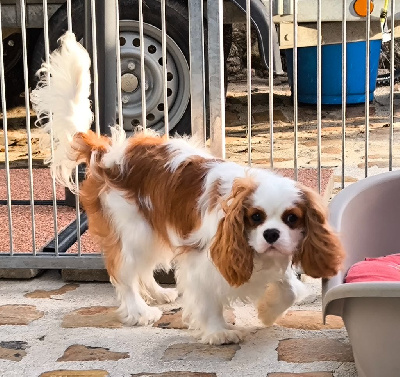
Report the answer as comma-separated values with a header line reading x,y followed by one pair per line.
x,y
177,47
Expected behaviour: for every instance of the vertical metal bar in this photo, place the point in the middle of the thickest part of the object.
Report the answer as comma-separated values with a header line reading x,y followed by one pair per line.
x,y
319,90
392,57
78,212
95,68
87,35
248,51
69,15
344,85
164,67
142,70
118,54
53,180
294,85
271,84
197,77
107,63
5,130
28,119
367,40
77,209
216,76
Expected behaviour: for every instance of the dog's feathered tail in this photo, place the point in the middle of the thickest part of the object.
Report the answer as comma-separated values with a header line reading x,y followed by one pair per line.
x,y
63,107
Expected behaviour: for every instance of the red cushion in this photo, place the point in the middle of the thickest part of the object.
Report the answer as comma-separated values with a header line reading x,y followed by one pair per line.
x,y
375,269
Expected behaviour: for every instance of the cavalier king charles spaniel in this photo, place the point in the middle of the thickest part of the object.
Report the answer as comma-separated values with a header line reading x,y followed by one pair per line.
x,y
231,232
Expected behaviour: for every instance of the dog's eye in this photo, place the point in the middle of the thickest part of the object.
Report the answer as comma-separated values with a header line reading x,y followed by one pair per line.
x,y
291,219
256,217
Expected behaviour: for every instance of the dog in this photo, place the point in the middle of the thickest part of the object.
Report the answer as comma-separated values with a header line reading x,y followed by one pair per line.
x,y
231,232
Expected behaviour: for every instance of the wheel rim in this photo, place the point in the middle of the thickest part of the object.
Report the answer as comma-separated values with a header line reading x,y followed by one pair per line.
x,y
177,72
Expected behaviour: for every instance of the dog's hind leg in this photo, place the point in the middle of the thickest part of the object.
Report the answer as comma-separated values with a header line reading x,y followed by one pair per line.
x,y
133,309
137,255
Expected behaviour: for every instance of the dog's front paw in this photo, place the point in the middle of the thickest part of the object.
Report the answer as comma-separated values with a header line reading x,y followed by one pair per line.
x,y
143,317
268,317
151,315
222,337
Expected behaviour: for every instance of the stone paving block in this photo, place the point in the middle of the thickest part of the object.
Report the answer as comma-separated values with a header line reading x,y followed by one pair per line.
x,y
263,116
19,273
13,350
349,179
309,320
331,150
94,316
78,352
54,292
200,352
308,350
377,163
75,373
307,374
19,314
172,319
175,374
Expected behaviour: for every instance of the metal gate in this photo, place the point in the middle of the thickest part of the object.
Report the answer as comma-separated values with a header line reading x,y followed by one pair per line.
x,y
292,25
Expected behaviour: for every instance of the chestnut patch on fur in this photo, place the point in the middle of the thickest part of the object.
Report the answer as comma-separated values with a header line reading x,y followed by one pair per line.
x,y
165,198
100,226
254,217
214,194
293,217
85,143
173,194
321,253
230,251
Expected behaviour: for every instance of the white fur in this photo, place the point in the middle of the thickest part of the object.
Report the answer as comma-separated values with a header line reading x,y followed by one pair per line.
x,y
142,254
64,102
116,153
274,196
181,149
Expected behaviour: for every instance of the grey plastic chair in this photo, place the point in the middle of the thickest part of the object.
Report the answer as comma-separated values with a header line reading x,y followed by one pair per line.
x,y
367,218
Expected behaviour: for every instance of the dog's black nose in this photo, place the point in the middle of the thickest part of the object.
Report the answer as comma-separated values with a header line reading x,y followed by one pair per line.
x,y
271,235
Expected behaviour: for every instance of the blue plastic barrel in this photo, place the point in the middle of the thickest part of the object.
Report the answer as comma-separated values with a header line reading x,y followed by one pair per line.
x,y
332,72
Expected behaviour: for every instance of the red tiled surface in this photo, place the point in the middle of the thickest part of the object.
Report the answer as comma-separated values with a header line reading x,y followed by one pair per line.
x,y
309,177
19,182
44,228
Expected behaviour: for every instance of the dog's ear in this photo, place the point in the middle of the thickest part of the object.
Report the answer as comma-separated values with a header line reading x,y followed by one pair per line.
x,y
321,253
230,250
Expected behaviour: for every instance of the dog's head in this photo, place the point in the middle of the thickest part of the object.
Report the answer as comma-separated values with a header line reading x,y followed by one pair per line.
x,y
274,216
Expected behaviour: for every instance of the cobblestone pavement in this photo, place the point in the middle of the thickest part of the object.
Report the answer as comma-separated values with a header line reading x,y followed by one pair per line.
x,y
52,328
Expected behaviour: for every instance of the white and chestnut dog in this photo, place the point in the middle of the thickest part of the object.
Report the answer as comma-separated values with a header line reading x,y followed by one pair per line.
x,y
232,232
